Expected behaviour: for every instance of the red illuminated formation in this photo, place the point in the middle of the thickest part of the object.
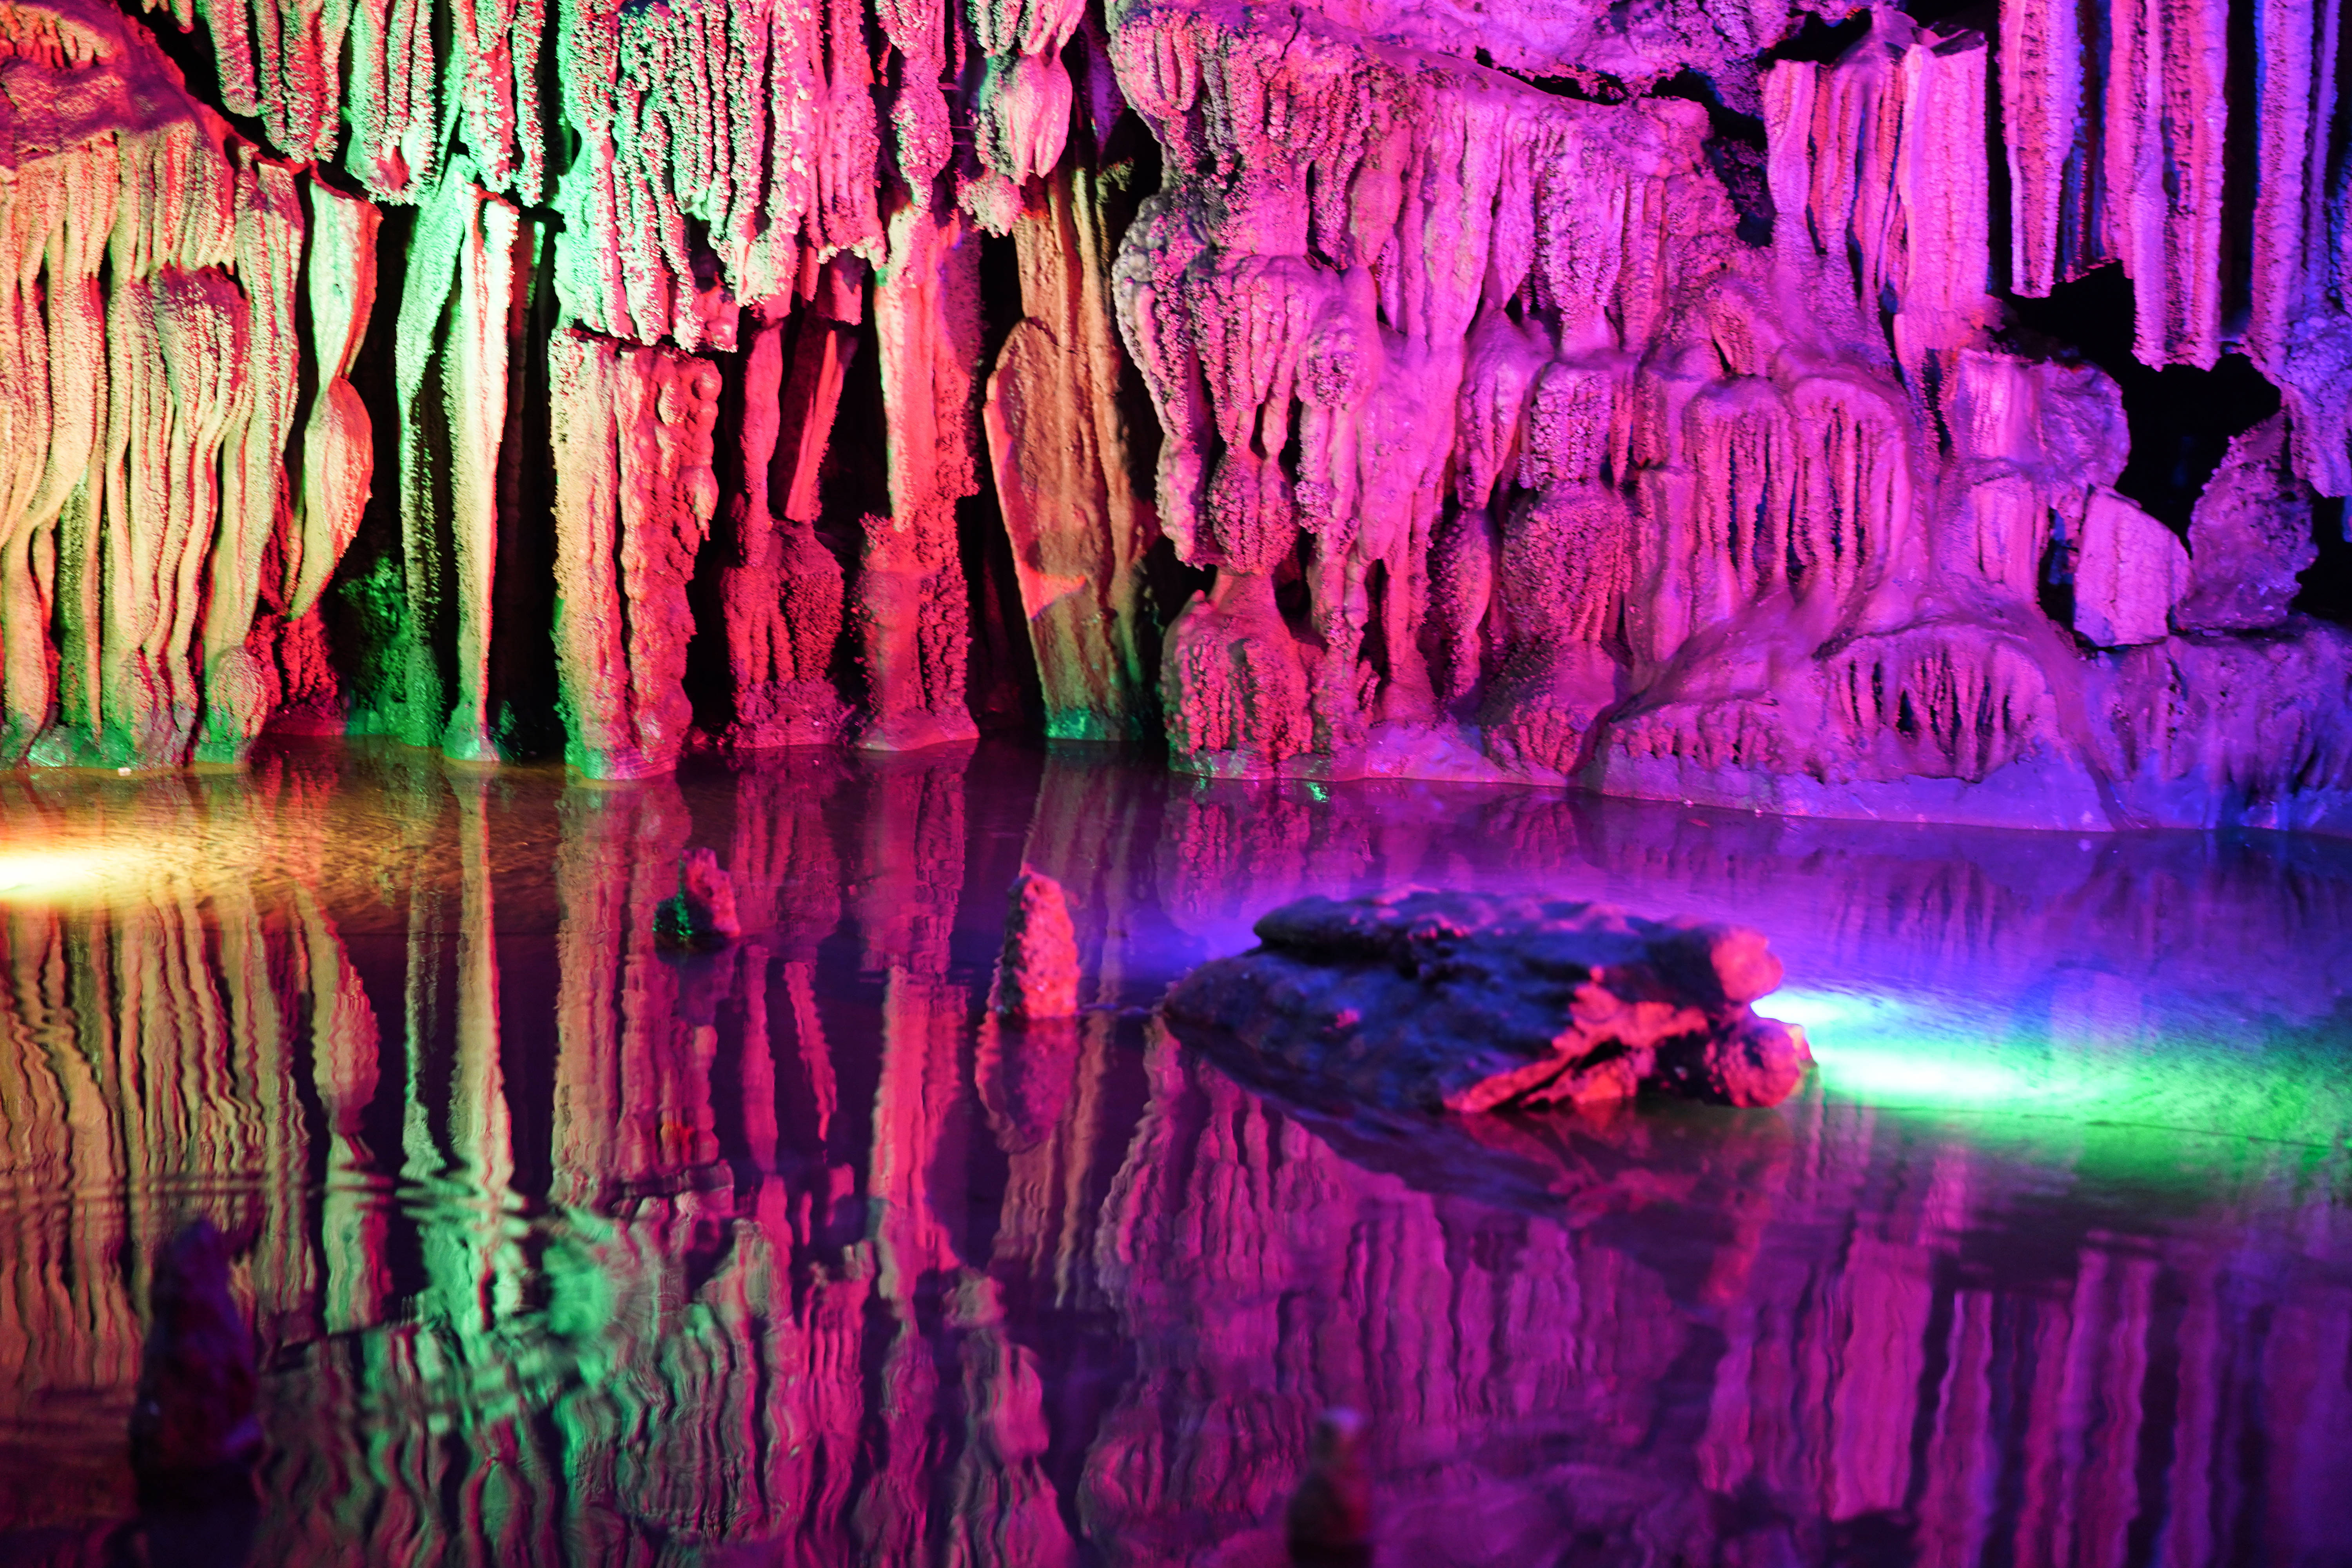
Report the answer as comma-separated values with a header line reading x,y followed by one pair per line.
x,y
1700,401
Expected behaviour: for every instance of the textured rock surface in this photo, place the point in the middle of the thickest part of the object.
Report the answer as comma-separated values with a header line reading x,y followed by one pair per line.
x,y
1560,394
155,565
1529,437
2250,538
1038,974
1456,1001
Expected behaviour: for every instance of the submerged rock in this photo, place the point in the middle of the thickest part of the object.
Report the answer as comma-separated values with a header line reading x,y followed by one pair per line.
x,y
703,913
1329,1523
194,1431
1465,1003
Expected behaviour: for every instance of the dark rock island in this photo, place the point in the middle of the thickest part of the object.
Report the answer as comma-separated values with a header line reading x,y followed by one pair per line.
x,y
1459,1002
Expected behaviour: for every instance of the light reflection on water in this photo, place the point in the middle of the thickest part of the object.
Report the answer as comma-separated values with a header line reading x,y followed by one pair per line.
x,y
559,1248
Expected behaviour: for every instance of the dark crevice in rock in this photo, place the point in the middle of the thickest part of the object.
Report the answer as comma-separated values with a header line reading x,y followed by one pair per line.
x,y
1735,152
2182,418
1818,41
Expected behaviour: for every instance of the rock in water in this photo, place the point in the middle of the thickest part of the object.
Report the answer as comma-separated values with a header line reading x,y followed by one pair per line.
x,y
193,1431
1465,1003
1329,1521
1037,977
703,913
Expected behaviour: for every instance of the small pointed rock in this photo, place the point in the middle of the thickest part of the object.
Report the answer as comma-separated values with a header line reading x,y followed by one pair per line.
x,y
702,916
1037,977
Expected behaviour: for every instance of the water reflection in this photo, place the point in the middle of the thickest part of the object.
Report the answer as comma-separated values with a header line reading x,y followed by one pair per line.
x,y
560,1246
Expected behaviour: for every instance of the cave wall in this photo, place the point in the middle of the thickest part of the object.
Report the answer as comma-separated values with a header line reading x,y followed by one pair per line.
x,y
1681,402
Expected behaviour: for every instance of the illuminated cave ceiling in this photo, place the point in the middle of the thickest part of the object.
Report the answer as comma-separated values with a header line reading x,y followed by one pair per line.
x,y
1699,401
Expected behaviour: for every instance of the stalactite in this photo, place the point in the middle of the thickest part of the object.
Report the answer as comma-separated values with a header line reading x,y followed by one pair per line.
x,y
159,344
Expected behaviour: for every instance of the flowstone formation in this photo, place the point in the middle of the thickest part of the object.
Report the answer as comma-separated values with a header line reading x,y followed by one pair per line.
x,y
1553,394
164,531
1427,1001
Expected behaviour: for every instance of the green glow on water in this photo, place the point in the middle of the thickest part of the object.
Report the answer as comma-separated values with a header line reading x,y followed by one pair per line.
x,y
2227,1075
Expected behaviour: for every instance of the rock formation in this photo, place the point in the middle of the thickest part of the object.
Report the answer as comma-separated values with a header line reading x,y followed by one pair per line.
x,y
702,913
1580,457
1426,1001
1038,975
193,1429
1543,394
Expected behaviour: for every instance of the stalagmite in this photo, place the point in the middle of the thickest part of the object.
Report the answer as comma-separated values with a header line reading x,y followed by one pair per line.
x,y
1038,974
634,495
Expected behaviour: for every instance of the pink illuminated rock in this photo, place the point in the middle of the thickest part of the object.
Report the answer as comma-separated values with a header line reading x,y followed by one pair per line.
x,y
2129,572
1037,977
634,495
1403,413
703,914
1466,1003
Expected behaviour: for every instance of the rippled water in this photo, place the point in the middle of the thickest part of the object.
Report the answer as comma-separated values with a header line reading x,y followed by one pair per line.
x,y
559,1249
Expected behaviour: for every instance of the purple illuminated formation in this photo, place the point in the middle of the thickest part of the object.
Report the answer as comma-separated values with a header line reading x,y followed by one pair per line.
x,y
1752,402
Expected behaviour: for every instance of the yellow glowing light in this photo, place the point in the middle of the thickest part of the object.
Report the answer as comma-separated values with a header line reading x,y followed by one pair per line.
x,y
74,873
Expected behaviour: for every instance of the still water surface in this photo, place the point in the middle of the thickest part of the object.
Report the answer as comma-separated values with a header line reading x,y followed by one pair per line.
x,y
559,1249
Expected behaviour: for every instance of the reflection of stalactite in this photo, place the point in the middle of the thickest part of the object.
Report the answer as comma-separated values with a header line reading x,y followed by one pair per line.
x,y
1474,1339
155,1035
632,1086
741,1319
